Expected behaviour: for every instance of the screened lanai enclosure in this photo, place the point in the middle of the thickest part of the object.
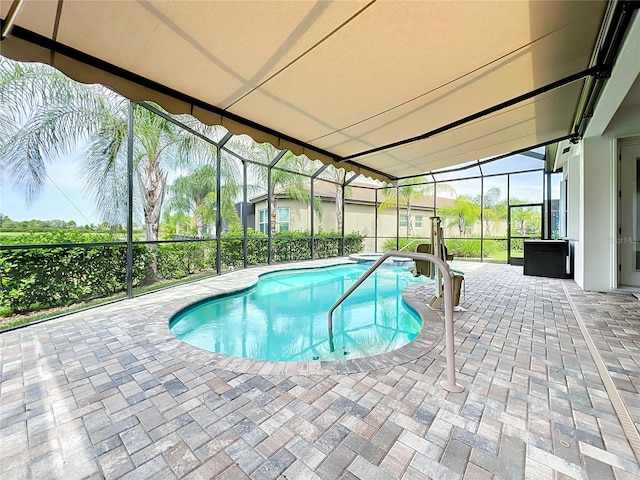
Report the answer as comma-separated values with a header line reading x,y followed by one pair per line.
x,y
139,199
325,129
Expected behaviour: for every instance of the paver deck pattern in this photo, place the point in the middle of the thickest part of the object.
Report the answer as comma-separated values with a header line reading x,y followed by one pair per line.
x,y
107,393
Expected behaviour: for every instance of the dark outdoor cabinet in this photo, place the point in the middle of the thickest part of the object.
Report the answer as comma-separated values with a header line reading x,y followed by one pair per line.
x,y
546,258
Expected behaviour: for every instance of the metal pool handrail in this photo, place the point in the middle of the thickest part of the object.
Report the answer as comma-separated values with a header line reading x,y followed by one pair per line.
x,y
449,384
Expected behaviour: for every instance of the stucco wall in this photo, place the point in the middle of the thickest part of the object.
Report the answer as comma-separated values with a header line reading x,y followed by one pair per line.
x,y
598,215
617,116
359,218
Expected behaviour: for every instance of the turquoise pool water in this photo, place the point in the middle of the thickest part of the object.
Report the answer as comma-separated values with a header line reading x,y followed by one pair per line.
x,y
284,317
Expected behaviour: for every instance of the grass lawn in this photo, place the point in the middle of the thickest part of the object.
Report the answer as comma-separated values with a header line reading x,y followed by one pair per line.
x,y
11,235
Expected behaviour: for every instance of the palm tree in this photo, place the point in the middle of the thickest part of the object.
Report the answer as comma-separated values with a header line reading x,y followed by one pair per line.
x,y
337,177
173,224
188,195
464,209
410,191
526,220
195,194
283,181
44,115
494,208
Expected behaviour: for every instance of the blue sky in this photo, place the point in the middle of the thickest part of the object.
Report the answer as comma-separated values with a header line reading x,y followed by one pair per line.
x,y
61,198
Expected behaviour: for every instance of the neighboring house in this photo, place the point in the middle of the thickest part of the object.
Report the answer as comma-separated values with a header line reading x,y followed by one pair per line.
x,y
360,212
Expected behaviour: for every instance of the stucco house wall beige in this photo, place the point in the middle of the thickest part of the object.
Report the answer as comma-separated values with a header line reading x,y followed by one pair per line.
x,y
359,214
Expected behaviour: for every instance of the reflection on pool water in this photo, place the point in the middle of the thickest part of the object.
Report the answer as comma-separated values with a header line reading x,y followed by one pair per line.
x,y
284,317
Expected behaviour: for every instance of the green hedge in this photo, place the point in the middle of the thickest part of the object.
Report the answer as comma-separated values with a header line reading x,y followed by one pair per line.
x,y
390,244
459,247
231,247
37,278
57,236
177,260
464,248
470,247
353,243
516,244
287,246
291,246
40,278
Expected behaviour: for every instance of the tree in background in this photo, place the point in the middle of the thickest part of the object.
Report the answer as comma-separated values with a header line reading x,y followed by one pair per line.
x,y
337,176
283,179
195,195
408,193
494,208
465,210
174,224
526,221
188,196
44,115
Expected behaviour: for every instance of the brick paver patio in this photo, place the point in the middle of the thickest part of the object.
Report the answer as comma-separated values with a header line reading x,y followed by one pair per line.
x,y
108,393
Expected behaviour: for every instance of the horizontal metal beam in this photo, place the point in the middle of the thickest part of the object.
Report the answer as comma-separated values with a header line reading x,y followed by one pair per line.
x,y
521,151
536,155
598,70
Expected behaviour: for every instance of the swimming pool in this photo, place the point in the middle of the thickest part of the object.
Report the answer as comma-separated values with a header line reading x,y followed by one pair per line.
x,y
284,317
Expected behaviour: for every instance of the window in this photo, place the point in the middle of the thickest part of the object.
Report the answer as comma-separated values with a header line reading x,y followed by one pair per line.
x,y
418,221
403,221
263,221
283,219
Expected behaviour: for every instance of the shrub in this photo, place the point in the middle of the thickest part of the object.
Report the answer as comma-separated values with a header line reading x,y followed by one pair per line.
x,y
470,247
33,278
463,247
177,260
36,278
290,246
353,243
390,244
327,244
493,247
517,244
57,236
231,247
